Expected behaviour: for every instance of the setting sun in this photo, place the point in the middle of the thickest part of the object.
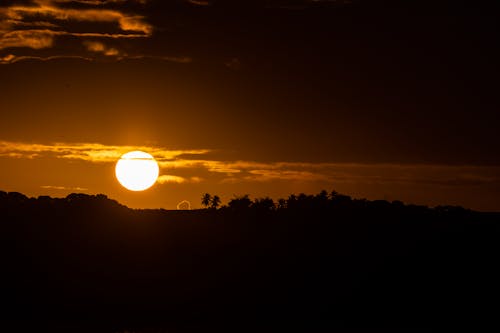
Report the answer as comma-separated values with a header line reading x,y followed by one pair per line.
x,y
137,170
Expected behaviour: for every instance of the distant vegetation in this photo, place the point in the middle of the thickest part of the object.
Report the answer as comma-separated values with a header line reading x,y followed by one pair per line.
x,y
312,263
321,201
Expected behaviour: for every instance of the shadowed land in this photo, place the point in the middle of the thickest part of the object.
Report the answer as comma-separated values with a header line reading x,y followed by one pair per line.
x,y
306,264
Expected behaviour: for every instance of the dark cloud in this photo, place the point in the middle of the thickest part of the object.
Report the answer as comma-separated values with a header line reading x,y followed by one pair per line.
x,y
199,2
45,24
41,24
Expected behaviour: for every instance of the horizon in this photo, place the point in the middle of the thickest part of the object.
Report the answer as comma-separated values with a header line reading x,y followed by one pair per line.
x,y
225,204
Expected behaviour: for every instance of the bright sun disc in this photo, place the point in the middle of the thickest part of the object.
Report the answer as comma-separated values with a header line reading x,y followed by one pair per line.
x,y
137,170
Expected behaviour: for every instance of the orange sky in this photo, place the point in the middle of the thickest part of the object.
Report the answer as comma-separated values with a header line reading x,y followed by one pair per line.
x,y
261,97
61,168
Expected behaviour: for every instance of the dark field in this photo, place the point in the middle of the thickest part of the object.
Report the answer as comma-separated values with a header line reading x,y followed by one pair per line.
x,y
314,264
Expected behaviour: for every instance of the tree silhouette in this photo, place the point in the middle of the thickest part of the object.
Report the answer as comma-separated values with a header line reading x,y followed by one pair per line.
x,y
264,204
215,202
240,203
281,203
206,199
333,195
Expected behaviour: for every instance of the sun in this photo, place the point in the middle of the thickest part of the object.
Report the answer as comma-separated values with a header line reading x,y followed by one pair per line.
x,y
137,170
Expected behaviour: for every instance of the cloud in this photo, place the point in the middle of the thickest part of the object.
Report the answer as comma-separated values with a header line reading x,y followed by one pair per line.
x,y
99,47
63,188
199,2
179,60
7,58
42,39
49,11
171,179
38,24
10,58
269,175
193,162
352,173
177,179
35,39
97,2
90,152
300,5
46,24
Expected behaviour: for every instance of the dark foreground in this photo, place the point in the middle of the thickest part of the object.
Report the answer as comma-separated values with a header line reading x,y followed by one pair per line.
x,y
316,264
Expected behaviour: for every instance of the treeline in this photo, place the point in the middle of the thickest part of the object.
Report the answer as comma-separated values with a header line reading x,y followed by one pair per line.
x,y
303,202
314,263
322,200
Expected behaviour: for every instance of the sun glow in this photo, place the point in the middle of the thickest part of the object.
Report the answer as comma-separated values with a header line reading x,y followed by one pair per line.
x,y
137,170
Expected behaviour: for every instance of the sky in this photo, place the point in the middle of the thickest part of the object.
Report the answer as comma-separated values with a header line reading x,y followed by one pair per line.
x,y
374,99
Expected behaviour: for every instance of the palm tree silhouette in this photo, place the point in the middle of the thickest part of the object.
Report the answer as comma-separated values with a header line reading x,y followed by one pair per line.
x,y
215,202
206,199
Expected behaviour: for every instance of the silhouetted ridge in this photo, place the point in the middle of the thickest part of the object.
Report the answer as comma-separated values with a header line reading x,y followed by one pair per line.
x,y
304,263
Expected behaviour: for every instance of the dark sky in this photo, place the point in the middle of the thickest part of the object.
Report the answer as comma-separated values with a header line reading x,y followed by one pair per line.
x,y
339,83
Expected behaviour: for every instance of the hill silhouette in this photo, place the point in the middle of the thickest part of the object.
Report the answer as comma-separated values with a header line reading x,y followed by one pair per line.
x,y
314,263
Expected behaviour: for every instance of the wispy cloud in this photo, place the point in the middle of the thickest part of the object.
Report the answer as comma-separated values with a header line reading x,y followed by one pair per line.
x,y
199,2
44,24
11,59
163,179
300,5
63,188
49,11
183,166
91,152
99,47
270,174
95,2
35,39
179,60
